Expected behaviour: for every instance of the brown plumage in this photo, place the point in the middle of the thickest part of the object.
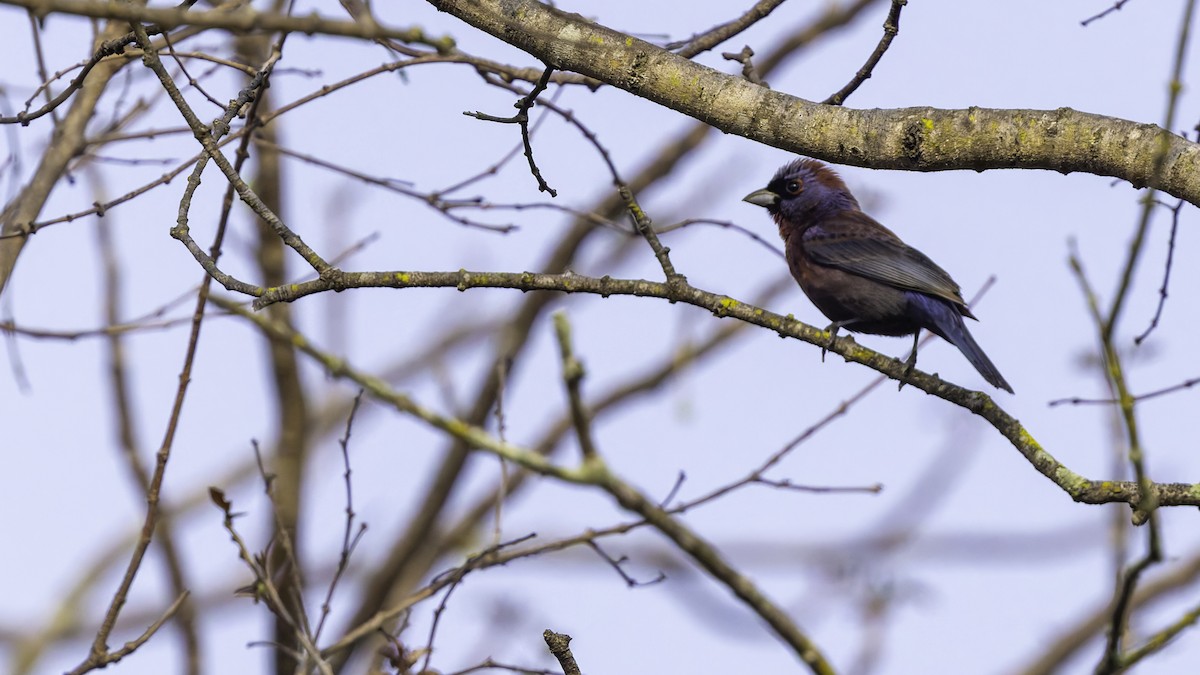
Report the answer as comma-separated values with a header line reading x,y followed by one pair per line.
x,y
858,272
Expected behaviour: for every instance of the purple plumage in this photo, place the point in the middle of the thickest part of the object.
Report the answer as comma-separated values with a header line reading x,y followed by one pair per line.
x,y
858,272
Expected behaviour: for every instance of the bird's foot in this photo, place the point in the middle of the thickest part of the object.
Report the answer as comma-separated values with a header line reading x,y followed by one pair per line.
x,y
832,329
911,362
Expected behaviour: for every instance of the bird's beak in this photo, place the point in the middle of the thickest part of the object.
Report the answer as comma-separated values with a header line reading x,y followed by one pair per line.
x,y
764,198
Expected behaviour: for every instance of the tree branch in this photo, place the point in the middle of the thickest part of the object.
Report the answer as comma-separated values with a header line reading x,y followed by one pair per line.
x,y
915,139
243,20
1080,489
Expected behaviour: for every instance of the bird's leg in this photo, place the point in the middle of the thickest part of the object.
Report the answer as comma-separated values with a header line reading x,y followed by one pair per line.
x,y
911,361
832,329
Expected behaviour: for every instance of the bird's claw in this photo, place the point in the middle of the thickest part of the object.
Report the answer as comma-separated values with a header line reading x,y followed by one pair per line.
x,y
908,369
832,329
911,362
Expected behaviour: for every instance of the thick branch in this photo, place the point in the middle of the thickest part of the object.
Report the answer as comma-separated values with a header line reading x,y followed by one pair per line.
x,y
243,20
920,139
917,139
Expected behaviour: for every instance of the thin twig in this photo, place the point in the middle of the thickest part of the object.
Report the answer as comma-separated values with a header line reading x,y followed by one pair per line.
x,y
522,119
728,225
1162,290
264,588
572,373
132,646
105,50
1116,7
193,82
35,29
698,44
616,564
350,538
456,577
494,169
11,328
891,27
1186,384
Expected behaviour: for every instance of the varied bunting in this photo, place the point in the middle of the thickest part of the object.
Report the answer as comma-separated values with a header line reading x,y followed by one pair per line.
x,y
859,273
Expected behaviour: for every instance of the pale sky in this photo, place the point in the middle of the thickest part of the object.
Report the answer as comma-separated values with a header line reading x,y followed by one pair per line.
x,y
1000,560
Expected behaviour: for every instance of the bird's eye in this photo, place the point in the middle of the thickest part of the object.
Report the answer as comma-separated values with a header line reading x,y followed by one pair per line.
x,y
793,187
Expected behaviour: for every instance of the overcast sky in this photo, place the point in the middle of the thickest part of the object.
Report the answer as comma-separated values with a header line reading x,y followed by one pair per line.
x,y
999,561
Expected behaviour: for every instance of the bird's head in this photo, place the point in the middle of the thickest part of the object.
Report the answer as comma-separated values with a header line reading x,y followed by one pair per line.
x,y
803,191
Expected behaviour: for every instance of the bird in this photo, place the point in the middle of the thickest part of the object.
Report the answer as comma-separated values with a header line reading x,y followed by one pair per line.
x,y
861,275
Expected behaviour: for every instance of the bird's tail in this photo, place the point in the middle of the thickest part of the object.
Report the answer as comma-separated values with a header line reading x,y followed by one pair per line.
x,y
946,321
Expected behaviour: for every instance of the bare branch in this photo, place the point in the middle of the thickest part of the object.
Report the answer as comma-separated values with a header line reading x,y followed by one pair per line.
x,y
915,139
559,644
891,27
698,44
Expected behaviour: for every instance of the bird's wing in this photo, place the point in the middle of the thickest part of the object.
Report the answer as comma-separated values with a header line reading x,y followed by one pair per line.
x,y
855,243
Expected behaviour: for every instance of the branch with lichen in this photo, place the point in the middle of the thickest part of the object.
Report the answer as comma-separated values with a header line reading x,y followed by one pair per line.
x,y
1080,489
916,139
241,20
